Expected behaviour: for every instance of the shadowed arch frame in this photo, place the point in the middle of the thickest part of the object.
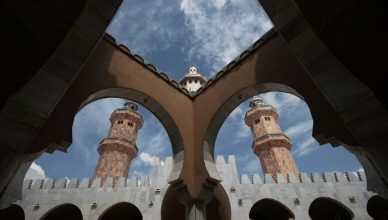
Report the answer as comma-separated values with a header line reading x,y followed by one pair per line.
x,y
63,211
267,208
325,208
121,210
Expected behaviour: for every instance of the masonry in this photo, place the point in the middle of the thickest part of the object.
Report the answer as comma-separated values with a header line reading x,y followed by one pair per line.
x,y
306,54
297,193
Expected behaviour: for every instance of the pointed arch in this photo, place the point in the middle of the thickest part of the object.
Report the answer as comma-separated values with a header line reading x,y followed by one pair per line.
x,y
63,212
267,209
121,211
325,208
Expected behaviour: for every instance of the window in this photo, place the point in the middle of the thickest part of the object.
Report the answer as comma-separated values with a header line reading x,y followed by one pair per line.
x,y
130,124
195,81
257,121
119,121
189,81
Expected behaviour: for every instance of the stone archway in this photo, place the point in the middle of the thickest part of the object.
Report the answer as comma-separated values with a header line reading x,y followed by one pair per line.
x,y
268,209
347,87
217,204
153,106
12,212
325,208
171,207
377,208
218,208
61,47
63,212
121,211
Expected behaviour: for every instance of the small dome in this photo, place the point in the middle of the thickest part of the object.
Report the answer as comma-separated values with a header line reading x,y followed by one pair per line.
x,y
255,101
192,71
131,105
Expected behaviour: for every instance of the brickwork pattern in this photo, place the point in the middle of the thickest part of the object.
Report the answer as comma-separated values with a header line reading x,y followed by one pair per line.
x,y
269,143
119,148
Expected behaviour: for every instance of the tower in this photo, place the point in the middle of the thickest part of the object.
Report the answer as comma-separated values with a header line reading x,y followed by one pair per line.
x,y
192,81
119,148
270,144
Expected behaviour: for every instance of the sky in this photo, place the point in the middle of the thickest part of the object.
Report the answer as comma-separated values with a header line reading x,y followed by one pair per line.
x,y
175,35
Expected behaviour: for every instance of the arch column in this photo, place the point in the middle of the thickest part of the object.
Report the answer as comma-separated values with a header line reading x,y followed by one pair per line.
x,y
27,110
195,207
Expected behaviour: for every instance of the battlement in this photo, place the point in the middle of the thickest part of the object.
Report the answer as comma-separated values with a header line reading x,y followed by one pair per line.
x,y
93,183
85,183
304,178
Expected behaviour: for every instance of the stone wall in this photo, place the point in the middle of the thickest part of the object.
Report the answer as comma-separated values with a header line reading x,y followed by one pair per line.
x,y
93,197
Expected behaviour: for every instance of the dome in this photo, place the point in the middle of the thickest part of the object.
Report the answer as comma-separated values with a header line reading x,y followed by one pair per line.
x,y
255,101
131,105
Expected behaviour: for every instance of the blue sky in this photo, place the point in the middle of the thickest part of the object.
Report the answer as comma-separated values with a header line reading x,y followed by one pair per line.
x,y
174,35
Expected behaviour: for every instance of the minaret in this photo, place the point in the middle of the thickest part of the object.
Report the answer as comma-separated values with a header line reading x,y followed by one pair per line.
x,y
270,144
192,81
118,149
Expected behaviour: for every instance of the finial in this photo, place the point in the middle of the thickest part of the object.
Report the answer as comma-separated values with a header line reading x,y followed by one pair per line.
x,y
192,70
255,101
131,105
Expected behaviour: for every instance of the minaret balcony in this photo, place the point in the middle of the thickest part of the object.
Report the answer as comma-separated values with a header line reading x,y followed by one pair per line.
x,y
277,139
118,144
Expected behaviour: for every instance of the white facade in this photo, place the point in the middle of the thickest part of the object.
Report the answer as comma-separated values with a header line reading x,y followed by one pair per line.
x,y
93,198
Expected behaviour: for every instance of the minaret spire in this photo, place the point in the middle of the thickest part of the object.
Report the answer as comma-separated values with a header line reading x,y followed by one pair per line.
x,y
270,144
119,148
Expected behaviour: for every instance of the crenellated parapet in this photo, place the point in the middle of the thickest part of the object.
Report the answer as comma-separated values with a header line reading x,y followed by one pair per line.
x,y
84,183
333,177
161,170
94,195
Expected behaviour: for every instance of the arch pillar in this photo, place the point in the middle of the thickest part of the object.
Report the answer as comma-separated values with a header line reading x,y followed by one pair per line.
x,y
19,164
195,207
28,109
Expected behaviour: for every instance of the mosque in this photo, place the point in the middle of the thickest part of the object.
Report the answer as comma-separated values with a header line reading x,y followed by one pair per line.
x,y
283,193
331,54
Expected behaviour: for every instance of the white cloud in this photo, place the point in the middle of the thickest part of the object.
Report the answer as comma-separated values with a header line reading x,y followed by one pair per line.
x,y
305,148
237,113
360,169
146,159
251,163
283,102
252,166
153,138
147,27
35,172
243,131
222,29
299,129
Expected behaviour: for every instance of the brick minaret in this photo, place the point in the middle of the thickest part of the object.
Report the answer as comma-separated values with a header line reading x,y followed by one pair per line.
x,y
119,148
269,143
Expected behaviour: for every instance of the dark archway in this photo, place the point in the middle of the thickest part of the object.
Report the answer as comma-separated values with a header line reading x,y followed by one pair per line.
x,y
122,211
63,212
14,212
171,207
218,208
377,208
324,208
269,209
